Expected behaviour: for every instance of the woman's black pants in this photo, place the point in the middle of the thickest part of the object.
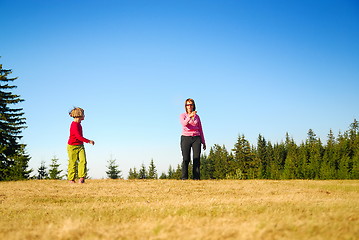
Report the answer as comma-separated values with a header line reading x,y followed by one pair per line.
x,y
188,142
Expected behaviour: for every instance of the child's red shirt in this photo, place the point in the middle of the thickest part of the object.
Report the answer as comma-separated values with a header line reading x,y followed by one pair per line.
x,y
76,137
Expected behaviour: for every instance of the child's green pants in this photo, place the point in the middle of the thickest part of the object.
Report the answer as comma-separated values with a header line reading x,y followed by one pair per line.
x,y
76,153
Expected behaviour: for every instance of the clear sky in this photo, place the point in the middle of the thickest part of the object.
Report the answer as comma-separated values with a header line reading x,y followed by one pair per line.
x,y
253,67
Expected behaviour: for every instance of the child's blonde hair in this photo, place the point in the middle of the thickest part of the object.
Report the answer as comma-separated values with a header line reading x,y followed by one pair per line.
x,y
77,112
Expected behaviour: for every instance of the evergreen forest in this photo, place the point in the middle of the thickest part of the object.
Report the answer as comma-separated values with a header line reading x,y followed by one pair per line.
x,y
338,158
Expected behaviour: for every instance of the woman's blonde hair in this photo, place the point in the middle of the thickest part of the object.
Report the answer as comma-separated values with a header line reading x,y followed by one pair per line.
x,y
77,112
192,101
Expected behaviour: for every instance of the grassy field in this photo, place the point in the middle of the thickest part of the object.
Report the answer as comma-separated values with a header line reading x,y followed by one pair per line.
x,y
171,209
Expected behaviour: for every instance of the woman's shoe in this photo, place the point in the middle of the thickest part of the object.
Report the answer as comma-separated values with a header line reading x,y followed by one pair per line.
x,y
82,180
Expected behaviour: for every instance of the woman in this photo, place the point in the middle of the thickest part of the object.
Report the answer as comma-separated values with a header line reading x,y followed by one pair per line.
x,y
75,147
192,137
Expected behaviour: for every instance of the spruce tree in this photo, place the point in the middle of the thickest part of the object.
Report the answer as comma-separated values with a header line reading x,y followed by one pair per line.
x,y
280,152
42,173
290,170
343,171
355,169
143,172
343,156
163,176
207,167
262,157
315,151
170,172
354,150
244,158
353,133
355,160
272,169
13,158
113,171
219,156
152,172
20,169
327,168
54,171
133,174
190,170
178,173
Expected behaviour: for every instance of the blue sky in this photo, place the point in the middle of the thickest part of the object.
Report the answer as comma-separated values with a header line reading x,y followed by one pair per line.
x,y
253,67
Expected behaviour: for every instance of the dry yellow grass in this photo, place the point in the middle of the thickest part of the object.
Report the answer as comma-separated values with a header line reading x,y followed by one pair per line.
x,y
170,209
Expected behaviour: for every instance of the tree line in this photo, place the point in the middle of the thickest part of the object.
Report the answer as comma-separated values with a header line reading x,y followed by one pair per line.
x,y
337,158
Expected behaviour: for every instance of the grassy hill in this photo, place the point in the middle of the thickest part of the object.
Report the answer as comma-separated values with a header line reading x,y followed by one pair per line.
x,y
171,209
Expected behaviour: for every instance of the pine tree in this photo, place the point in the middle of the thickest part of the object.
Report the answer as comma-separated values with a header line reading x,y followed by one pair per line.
x,y
279,156
178,173
207,167
133,174
170,172
272,168
54,171
327,168
244,158
143,172
113,171
20,169
354,132
355,160
343,152
219,156
190,170
315,151
343,171
152,172
13,159
163,176
354,150
42,173
262,157
291,170
355,169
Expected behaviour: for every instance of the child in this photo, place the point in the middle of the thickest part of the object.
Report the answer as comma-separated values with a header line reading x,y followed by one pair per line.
x,y
75,147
